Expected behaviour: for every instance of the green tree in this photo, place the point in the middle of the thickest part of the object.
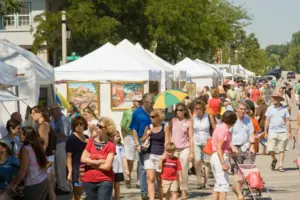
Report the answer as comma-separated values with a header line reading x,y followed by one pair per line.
x,y
292,60
190,28
9,6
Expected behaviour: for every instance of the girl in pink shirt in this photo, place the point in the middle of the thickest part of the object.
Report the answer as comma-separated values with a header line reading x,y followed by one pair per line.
x,y
221,146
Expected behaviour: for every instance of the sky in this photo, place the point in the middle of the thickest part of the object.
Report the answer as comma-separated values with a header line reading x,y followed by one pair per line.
x,y
273,21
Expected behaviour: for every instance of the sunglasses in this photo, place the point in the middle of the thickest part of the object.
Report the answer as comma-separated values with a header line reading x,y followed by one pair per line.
x,y
197,109
100,126
152,116
180,110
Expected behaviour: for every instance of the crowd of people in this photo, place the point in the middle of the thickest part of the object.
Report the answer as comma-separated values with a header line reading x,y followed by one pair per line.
x,y
87,156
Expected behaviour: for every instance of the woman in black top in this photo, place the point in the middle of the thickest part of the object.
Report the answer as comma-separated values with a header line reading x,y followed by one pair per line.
x,y
75,145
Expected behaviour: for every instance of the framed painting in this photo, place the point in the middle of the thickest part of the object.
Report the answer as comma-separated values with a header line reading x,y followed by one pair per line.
x,y
123,92
83,94
191,90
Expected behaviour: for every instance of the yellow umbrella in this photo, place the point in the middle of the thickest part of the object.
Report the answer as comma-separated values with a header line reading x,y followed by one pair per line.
x,y
169,98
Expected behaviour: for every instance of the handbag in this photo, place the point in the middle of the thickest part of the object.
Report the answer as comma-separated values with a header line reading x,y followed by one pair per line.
x,y
208,147
145,146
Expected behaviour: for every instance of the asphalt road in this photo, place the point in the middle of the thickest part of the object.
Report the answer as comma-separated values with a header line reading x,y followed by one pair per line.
x,y
282,186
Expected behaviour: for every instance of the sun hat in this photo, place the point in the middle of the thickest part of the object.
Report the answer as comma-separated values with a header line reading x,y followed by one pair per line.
x,y
277,95
8,144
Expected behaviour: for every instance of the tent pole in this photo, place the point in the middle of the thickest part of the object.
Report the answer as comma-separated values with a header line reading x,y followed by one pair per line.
x,y
5,108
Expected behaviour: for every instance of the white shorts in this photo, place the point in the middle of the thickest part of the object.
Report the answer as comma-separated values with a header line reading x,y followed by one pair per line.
x,y
151,162
222,178
130,148
50,170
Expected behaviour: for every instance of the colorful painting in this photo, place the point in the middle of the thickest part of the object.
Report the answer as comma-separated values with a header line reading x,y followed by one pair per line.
x,y
122,93
191,90
84,94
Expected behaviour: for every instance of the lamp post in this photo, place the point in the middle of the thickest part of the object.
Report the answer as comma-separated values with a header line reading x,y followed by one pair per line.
x,y
64,37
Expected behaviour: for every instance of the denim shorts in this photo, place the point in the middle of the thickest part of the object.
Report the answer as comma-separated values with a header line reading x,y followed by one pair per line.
x,y
77,184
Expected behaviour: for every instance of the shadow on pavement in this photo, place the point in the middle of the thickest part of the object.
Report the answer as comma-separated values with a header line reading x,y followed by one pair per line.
x,y
199,194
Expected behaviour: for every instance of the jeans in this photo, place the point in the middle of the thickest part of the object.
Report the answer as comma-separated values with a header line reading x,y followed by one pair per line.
x,y
142,174
98,191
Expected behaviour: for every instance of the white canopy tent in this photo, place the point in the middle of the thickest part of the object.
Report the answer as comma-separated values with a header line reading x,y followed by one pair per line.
x,y
106,64
199,75
139,54
33,73
180,75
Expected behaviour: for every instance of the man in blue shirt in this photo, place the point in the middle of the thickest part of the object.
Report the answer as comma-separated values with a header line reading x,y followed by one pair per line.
x,y
241,133
277,129
141,120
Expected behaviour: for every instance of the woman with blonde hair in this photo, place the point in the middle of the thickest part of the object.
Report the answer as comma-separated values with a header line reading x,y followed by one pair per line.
x,y
98,158
183,137
92,120
158,134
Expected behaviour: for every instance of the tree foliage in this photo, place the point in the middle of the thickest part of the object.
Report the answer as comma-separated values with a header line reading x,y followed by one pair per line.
x,y
9,6
193,28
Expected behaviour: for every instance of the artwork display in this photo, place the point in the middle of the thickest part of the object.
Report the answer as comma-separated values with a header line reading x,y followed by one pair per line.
x,y
84,94
191,90
123,92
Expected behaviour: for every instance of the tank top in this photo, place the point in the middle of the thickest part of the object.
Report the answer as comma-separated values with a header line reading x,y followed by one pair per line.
x,y
180,133
157,142
51,141
201,129
34,174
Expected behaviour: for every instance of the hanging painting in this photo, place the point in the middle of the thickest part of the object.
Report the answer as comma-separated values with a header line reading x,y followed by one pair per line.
x,y
122,93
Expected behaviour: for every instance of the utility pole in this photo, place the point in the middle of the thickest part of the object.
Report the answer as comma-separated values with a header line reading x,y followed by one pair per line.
x,y
64,37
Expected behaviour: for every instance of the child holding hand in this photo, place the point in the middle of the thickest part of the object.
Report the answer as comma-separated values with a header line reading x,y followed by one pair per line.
x,y
171,171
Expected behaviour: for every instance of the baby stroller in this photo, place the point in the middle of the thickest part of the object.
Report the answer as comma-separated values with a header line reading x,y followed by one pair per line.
x,y
253,180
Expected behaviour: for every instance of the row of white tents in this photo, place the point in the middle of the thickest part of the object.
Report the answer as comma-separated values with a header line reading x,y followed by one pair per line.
x,y
23,75
129,62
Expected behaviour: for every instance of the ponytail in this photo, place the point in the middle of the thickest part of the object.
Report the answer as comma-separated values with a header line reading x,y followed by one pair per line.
x,y
38,148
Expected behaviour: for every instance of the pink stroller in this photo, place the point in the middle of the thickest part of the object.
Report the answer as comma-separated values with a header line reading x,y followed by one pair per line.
x,y
253,180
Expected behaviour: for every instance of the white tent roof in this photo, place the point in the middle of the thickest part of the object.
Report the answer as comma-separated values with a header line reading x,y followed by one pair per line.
x,y
6,96
8,75
28,64
106,63
193,68
249,73
217,72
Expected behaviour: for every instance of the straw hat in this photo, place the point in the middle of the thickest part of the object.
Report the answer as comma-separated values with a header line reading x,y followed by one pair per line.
x,y
277,95
8,144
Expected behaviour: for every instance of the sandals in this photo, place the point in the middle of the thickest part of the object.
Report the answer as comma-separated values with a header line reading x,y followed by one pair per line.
x,y
280,169
273,164
183,195
128,184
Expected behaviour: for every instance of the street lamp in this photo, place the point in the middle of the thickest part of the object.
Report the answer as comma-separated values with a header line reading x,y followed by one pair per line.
x,y
64,37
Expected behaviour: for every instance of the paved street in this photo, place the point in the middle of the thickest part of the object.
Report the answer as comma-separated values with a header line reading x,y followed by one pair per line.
x,y
282,186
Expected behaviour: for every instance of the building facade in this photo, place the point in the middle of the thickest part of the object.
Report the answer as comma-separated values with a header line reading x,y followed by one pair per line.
x,y
19,28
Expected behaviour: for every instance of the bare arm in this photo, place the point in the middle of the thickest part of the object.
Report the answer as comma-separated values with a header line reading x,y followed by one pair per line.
x,y
191,138
123,132
24,160
213,122
44,130
107,165
85,158
69,166
167,134
267,122
146,135
220,152
297,125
